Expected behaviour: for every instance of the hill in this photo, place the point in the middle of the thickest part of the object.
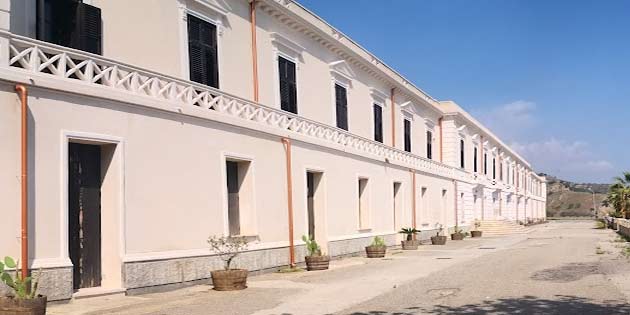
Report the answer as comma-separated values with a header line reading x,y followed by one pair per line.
x,y
569,199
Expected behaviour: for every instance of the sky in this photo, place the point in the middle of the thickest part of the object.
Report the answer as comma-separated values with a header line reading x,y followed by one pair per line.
x,y
550,78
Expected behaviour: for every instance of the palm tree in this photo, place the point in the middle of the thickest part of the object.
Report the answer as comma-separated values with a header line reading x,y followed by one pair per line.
x,y
619,194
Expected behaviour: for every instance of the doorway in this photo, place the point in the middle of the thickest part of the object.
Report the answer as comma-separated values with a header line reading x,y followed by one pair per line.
x,y
315,208
84,214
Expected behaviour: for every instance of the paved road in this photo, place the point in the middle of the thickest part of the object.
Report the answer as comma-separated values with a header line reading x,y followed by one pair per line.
x,y
560,268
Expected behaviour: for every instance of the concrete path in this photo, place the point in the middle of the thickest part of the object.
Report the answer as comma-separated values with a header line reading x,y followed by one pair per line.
x,y
559,268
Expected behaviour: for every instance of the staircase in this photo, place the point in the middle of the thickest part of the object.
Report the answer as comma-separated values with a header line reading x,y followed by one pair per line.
x,y
502,227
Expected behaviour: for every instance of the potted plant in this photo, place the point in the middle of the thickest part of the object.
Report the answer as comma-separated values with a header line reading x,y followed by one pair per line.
x,y
410,243
458,234
24,298
377,249
476,232
315,260
227,248
438,239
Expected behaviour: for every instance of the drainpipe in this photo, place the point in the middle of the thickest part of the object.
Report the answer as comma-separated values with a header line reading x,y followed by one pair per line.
x,y
413,199
391,96
23,93
456,200
252,14
440,124
287,145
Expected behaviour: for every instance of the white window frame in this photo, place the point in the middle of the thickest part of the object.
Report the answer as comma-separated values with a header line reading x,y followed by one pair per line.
x,y
289,50
227,156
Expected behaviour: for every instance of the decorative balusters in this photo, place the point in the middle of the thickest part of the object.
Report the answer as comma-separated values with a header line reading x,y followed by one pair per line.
x,y
39,57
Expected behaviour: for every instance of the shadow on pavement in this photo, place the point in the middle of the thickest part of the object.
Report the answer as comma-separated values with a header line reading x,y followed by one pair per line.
x,y
524,305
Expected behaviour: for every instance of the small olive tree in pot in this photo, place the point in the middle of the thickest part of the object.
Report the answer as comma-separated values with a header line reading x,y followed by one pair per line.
x,y
377,249
315,260
23,298
438,239
410,243
227,248
476,232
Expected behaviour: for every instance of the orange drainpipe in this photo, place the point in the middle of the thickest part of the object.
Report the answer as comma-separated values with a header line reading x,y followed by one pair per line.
x,y
391,99
440,124
21,90
252,14
413,199
287,144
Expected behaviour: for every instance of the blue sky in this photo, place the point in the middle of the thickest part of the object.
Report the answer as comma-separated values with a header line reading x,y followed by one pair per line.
x,y
551,78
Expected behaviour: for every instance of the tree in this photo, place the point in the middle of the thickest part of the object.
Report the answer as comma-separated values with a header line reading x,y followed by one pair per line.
x,y
619,195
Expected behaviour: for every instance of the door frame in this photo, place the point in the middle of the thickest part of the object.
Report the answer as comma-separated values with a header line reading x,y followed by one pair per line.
x,y
95,139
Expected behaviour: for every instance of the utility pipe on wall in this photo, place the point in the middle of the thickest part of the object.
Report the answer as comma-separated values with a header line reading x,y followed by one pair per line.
x,y
456,203
252,14
413,198
391,96
287,146
23,93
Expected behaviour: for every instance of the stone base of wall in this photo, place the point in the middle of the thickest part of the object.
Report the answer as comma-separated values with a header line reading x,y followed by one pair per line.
x,y
55,283
356,245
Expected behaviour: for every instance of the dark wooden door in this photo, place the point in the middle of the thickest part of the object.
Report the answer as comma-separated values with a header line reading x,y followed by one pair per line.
x,y
84,207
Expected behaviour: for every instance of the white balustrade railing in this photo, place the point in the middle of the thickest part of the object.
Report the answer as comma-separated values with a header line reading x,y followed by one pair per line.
x,y
69,64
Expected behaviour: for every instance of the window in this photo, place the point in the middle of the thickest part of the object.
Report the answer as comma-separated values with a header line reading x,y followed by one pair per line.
x,y
341,101
202,52
462,160
407,127
494,168
288,85
485,164
475,162
501,171
378,123
429,145
70,23
240,201
363,204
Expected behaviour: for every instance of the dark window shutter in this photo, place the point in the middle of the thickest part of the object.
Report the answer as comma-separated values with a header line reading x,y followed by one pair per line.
x,y
202,52
475,162
429,145
88,33
57,21
288,85
341,100
378,123
407,135
462,161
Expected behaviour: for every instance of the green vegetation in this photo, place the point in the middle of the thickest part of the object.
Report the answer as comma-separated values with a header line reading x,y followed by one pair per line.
x,y
378,241
311,246
23,288
619,196
599,224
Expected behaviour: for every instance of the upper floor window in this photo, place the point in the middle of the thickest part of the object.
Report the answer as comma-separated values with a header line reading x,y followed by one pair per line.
x,y
70,23
288,85
475,162
429,145
407,127
494,168
378,123
462,160
501,171
341,106
202,52
485,164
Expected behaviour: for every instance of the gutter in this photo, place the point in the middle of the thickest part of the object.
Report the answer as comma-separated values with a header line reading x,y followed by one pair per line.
x,y
23,93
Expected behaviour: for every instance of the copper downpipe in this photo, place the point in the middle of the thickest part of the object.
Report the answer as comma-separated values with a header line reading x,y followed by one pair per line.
x,y
413,199
287,146
252,13
440,124
391,99
23,93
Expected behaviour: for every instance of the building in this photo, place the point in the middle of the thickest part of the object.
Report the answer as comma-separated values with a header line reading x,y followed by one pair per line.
x,y
147,135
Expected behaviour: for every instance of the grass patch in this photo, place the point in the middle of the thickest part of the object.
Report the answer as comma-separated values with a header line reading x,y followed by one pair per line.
x,y
600,224
599,251
290,270
625,252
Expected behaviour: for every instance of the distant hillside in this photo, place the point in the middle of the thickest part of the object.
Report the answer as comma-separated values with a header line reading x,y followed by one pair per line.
x,y
568,199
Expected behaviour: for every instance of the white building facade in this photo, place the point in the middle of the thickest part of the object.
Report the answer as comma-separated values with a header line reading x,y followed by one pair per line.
x,y
155,124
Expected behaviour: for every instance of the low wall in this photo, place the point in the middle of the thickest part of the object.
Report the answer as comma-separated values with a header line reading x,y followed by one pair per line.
x,y
623,226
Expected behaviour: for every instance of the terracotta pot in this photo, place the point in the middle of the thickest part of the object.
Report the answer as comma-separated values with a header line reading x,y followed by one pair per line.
x,y
438,240
475,233
410,245
229,280
457,236
375,251
12,306
317,262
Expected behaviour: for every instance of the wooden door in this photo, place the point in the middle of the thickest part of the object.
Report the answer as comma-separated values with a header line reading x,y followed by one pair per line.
x,y
84,207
